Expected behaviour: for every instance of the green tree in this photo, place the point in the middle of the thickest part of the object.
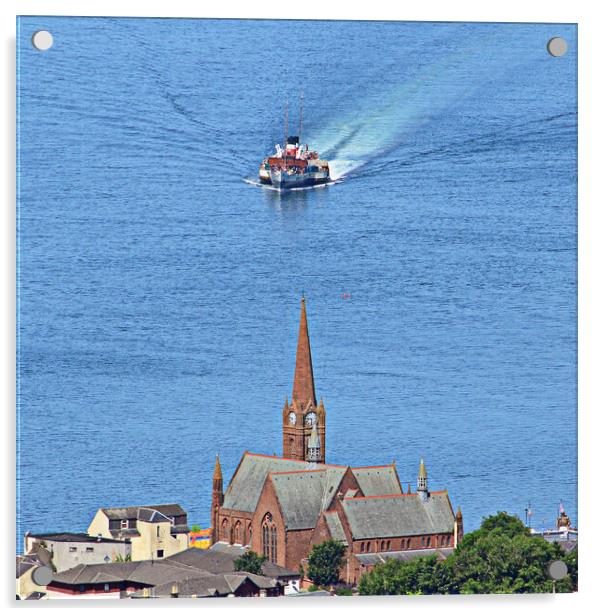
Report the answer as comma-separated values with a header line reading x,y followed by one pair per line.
x,y
251,562
195,528
500,557
325,562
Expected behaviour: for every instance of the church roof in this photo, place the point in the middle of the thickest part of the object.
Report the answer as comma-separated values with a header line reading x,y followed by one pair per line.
x,y
377,558
246,485
377,480
303,495
303,384
399,515
335,526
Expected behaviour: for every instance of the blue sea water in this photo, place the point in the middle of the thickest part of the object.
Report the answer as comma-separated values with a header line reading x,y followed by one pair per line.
x,y
158,292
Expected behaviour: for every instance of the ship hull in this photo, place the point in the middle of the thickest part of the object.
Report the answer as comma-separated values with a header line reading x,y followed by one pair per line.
x,y
283,180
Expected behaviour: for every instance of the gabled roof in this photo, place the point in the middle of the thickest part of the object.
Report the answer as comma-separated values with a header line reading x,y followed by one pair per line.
x,y
152,515
246,485
335,526
377,480
122,513
398,515
303,495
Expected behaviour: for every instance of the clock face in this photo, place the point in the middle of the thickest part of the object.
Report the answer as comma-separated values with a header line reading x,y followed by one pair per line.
x,y
310,419
292,418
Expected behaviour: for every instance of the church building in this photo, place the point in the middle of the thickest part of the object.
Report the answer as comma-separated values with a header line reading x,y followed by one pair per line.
x,y
282,506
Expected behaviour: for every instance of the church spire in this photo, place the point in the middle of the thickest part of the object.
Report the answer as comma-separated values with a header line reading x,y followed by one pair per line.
x,y
217,499
217,471
303,385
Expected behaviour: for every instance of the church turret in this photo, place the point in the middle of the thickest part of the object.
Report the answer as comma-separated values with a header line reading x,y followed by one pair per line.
x,y
217,499
304,413
422,482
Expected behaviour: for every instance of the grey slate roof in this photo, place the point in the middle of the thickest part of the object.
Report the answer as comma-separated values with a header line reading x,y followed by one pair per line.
x,y
210,585
335,526
246,485
142,572
26,562
121,513
377,558
72,538
217,561
303,495
377,480
399,516
221,546
152,515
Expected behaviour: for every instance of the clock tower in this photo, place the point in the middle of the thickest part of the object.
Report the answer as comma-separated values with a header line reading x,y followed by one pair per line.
x,y
304,416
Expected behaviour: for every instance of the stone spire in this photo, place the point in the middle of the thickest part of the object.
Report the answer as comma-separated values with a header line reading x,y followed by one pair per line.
x,y
303,384
217,471
217,499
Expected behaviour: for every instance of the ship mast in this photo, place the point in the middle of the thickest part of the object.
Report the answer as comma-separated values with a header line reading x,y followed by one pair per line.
x,y
285,129
301,118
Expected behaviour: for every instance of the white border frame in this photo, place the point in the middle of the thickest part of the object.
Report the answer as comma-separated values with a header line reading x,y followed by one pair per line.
x,y
582,12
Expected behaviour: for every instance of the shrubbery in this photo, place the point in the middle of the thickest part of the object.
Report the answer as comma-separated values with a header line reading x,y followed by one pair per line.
x,y
500,557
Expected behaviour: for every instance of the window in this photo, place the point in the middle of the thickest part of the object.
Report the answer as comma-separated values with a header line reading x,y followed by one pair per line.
x,y
158,531
388,545
225,534
159,553
237,533
72,548
124,523
89,550
428,542
368,547
362,546
422,541
106,587
269,538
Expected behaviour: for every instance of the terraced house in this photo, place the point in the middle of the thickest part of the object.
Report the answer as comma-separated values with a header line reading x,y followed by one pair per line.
x,y
281,506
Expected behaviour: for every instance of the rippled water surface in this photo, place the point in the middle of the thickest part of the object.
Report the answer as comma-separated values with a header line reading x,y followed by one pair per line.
x,y
159,292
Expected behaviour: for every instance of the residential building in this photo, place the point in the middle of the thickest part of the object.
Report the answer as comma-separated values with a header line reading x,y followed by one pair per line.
x,y
66,550
155,531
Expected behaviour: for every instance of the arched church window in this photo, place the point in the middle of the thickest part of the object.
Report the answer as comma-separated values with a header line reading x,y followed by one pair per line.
x,y
269,538
237,532
225,530
362,546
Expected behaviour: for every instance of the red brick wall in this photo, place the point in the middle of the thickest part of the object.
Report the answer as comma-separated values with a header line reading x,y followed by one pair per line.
x,y
268,503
